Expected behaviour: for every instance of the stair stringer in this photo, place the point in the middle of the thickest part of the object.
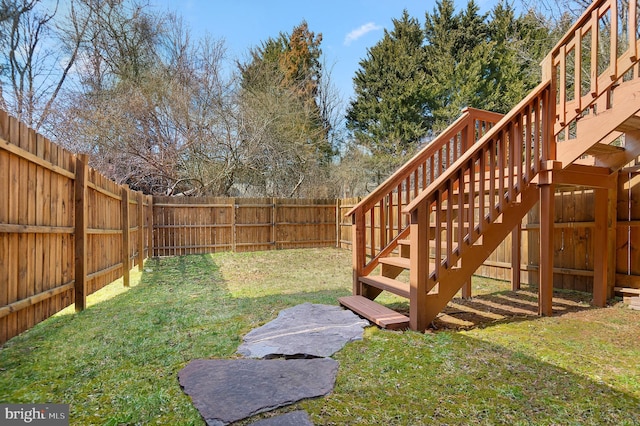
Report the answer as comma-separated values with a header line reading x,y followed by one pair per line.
x,y
452,280
595,127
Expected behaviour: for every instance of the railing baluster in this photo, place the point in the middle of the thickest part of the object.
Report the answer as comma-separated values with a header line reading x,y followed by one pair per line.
x,y
382,231
438,233
511,149
594,53
502,141
519,146
399,216
492,179
390,216
462,213
482,196
472,200
527,143
372,231
536,137
578,69
633,25
613,43
450,222
562,83
424,176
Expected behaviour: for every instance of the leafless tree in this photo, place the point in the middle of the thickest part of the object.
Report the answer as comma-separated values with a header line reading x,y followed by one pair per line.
x,y
41,43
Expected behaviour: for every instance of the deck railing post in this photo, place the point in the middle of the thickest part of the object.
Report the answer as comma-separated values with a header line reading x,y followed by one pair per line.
x,y
419,270
359,247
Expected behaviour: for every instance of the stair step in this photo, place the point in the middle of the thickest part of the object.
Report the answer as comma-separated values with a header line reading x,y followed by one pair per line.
x,y
401,262
627,291
387,284
375,312
603,149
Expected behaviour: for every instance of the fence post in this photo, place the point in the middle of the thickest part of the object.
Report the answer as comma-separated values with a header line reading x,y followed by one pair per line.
x,y
80,233
338,227
274,212
140,235
150,226
233,225
124,192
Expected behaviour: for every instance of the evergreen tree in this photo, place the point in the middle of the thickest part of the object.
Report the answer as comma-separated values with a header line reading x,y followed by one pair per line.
x,y
389,114
459,54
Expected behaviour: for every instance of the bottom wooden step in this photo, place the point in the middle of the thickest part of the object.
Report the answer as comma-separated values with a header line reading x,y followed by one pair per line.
x,y
375,312
627,291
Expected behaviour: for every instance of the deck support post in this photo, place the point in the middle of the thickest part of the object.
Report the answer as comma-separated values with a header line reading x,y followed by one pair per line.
x,y
516,255
547,215
466,289
612,235
601,265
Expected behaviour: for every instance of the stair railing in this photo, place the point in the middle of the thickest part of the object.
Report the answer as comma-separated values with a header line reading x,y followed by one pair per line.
x,y
377,221
455,209
595,55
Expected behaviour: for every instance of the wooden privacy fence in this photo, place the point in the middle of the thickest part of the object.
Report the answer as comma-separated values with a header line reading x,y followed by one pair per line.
x,y
208,225
65,230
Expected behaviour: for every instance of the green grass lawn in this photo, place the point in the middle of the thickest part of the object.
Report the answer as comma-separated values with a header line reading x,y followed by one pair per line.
x,y
117,362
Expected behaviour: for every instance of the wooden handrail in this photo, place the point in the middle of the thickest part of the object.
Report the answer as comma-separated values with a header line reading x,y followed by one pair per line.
x,y
500,165
564,64
432,148
473,151
385,203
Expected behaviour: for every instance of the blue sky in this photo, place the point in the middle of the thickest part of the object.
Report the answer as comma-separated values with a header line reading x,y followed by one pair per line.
x,y
348,27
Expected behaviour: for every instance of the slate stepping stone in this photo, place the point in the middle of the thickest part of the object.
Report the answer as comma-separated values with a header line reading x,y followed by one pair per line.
x,y
295,418
228,390
306,330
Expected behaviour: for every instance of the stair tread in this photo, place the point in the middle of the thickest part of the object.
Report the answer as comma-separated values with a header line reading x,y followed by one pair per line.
x,y
388,284
375,312
628,290
401,262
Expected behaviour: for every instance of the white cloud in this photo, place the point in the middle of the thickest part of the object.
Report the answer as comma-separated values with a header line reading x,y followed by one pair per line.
x,y
359,32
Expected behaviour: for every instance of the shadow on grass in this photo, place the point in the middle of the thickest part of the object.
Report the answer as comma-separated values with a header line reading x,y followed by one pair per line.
x,y
500,307
116,362
452,378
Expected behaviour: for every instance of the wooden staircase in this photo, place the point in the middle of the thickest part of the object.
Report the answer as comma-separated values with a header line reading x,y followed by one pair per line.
x,y
444,212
